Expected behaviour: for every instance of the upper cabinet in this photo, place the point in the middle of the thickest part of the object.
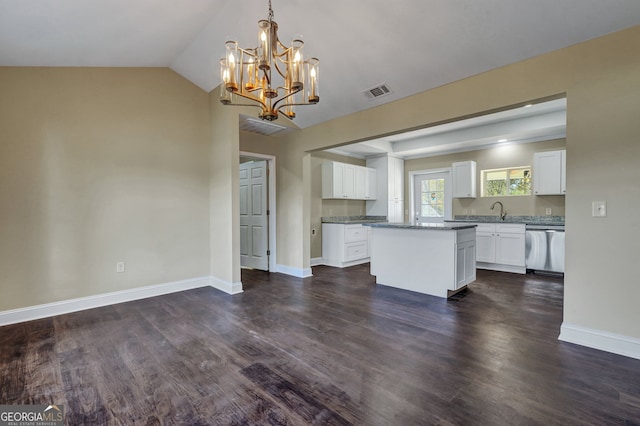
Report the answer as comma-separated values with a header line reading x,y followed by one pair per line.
x,y
550,173
389,199
464,179
347,181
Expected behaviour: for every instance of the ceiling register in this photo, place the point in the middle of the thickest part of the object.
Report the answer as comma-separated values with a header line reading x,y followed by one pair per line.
x,y
275,77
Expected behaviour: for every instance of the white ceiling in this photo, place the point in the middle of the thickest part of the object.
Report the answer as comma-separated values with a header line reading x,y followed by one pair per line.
x,y
412,45
533,123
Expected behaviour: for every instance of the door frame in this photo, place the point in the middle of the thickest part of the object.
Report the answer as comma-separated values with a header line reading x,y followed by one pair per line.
x,y
412,201
271,170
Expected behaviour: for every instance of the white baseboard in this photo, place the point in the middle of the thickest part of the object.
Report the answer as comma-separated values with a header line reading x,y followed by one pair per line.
x,y
502,268
226,286
296,272
602,340
316,261
339,264
80,304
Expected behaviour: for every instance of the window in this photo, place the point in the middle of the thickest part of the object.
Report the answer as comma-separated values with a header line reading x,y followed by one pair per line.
x,y
432,198
506,182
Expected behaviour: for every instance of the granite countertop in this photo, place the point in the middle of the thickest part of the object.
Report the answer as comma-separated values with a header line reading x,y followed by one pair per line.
x,y
527,220
425,226
351,220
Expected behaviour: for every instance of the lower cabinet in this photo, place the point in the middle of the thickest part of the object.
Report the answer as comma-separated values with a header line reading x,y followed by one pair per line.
x,y
465,261
501,247
345,245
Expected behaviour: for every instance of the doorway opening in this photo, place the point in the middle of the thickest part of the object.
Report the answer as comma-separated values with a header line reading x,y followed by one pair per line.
x,y
257,211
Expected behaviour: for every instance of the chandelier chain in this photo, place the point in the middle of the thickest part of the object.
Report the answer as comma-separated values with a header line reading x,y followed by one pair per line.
x,y
270,12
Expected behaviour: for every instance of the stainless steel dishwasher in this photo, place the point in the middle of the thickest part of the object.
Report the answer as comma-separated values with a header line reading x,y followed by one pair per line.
x,y
544,248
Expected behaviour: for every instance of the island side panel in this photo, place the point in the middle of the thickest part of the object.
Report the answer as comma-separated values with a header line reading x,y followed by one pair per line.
x,y
414,259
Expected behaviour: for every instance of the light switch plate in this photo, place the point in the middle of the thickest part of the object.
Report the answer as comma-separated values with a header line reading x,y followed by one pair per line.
x,y
599,209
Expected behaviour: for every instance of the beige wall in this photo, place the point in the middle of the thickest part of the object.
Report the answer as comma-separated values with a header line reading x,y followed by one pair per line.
x,y
320,207
101,165
495,158
601,79
97,166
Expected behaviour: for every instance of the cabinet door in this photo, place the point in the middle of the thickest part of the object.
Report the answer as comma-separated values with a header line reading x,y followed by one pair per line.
x,y
470,262
485,247
348,181
335,172
465,263
563,172
396,178
510,249
371,184
464,179
396,211
360,183
547,173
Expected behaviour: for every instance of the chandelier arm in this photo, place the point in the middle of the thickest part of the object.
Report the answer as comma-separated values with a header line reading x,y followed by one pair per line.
x,y
284,98
252,98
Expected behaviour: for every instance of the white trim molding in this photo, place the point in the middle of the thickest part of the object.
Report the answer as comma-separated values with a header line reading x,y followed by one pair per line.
x,y
602,340
82,303
226,286
296,272
316,261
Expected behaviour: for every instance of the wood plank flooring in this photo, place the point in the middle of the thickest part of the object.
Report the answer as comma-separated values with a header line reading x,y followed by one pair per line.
x,y
333,349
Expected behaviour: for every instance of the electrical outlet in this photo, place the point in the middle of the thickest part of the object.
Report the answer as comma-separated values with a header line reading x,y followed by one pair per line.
x,y
548,211
120,266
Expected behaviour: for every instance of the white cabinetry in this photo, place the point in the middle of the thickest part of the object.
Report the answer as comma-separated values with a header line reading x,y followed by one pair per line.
x,y
341,180
389,199
372,184
435,262
486,243
464,179
501,247
465,260
550,173
344,245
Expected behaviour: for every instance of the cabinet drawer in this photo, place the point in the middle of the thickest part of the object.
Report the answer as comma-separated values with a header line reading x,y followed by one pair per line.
x,y
486,227
512,228
355,251
355,233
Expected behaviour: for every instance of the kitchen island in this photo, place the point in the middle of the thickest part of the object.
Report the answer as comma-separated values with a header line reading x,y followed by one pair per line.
x,y
435,259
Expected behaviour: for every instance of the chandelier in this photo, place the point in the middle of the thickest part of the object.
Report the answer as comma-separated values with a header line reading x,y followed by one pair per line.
x,y
275,77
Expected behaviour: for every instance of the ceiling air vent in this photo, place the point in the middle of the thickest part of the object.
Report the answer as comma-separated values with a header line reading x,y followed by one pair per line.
x,y
377,91
262,127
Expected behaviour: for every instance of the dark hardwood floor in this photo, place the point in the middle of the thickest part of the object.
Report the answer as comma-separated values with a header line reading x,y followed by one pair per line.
x,y
333,349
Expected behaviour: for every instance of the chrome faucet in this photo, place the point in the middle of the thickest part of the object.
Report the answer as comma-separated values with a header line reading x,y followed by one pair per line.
x,y
503,212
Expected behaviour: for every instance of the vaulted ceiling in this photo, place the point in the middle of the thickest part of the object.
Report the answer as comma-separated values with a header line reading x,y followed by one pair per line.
x,y
410,45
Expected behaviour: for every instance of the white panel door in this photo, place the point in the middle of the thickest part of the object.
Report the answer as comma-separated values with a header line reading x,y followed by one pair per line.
x,y
485,247
254,229
510,249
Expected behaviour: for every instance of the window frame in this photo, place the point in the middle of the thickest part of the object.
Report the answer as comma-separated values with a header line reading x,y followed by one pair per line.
x,y
508,170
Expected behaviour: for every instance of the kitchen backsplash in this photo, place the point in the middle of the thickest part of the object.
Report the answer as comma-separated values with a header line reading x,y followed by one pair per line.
x,y
515,219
